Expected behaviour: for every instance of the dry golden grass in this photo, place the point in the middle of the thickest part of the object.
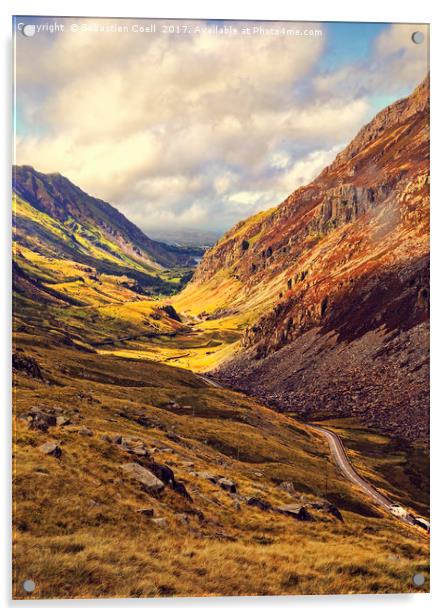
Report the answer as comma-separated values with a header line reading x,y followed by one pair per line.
x,y
77,531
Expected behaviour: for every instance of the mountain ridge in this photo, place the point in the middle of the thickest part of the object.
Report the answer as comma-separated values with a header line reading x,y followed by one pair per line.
x,y
56,196
341,261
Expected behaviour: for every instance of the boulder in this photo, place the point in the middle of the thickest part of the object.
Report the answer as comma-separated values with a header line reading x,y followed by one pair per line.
x,y
298,512
166,475
227,484
208,476
26,364
135,446
187,464
62,421
38,420
84,431
194,512
327,508
182,518
254,501
51,449
148,480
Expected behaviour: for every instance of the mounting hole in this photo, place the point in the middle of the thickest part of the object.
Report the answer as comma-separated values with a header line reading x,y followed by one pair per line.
x,y
29,585
418,37
418,579
29,30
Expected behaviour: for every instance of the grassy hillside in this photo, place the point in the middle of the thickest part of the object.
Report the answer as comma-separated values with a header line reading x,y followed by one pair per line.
x,y
79,528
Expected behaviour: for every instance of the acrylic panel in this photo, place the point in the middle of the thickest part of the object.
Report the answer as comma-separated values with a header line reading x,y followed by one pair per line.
x,y
220,308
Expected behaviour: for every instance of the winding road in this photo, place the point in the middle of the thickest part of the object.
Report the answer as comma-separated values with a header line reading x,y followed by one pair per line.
x,y
340,456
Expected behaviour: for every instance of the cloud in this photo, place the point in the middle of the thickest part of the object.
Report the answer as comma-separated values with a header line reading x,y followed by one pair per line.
x,y
395,65
196,130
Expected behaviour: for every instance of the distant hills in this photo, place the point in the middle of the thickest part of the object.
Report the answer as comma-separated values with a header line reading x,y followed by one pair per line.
x,y
185,237
334,282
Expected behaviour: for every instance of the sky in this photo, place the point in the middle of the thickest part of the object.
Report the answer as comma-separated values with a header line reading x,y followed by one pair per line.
x,y
195,127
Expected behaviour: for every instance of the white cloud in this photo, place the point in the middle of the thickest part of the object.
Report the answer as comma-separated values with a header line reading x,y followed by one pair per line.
x,y
306,169
197,130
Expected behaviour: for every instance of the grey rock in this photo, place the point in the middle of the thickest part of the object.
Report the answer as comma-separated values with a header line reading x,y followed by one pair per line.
x,y
182,518
146,511
38,420
134,446
147,479
161,522
208,476
51,449
62,421
84,431
254,501
287,486
327,507
227,484
298,512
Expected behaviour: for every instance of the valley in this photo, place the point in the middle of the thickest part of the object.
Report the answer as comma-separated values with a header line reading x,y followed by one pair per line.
x,y
164,411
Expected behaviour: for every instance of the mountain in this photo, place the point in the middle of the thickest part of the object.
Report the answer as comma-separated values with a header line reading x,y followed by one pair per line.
x,y
186,237
78,259
56,218
335,283
136,477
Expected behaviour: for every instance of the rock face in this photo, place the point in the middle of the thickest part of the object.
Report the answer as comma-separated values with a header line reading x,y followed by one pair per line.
x,y
148,481
339,273
171,312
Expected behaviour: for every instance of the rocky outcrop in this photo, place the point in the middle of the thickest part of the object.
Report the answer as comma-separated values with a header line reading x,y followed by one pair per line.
x,y
341,265
170,311
27,365
39,420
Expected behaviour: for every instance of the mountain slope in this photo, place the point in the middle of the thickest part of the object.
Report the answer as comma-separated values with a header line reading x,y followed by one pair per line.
x,y
57,218
335,283
83,260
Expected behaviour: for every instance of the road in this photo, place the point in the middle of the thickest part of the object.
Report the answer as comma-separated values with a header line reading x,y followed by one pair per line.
x,y
340,456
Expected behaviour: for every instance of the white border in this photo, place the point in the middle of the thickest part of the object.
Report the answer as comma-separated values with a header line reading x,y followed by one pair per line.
x,y
325,10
